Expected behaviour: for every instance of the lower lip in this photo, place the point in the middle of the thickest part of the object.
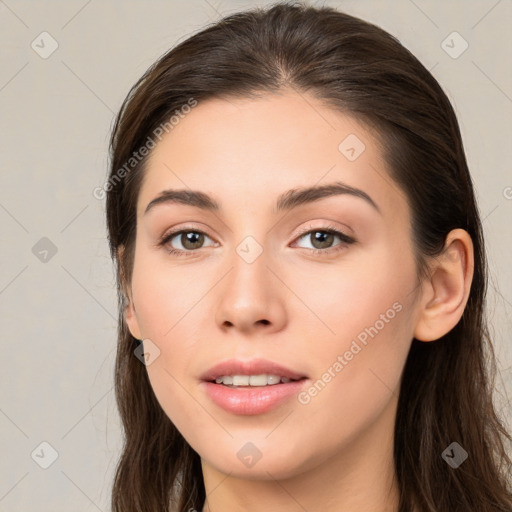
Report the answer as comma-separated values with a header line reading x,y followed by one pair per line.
x,y
249,401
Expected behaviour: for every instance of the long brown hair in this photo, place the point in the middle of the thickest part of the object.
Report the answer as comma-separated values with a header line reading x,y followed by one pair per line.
x,y
354,67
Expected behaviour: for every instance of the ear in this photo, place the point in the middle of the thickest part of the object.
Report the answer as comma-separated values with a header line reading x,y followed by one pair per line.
x,y
446,291
130,315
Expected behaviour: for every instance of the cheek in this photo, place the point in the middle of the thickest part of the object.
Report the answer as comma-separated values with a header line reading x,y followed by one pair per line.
x,y
357,377
366,330
169,313
164,295
349,296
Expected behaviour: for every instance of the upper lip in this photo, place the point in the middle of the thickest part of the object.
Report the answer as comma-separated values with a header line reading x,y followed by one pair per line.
x,y
251,367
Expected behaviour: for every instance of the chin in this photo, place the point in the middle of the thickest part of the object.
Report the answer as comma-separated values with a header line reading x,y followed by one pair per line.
x,y
252,461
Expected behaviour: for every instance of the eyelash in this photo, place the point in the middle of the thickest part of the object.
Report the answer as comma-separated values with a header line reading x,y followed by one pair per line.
x,y
345,239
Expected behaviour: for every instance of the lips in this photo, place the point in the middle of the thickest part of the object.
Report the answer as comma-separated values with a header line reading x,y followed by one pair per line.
x,y
252,367
247,400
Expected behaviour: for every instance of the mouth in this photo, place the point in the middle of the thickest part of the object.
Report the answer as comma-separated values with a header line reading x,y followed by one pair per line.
x,y
255,372
252,381
251,387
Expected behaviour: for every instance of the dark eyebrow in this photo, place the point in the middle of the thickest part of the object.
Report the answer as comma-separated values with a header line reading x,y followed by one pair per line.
x,y
187,197
287,201
299,196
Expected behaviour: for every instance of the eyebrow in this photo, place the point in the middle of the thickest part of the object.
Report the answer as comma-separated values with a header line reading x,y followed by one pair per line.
x,y
287,201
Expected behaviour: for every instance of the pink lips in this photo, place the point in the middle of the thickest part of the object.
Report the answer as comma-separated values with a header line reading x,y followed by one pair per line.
x,y
253,367
251,400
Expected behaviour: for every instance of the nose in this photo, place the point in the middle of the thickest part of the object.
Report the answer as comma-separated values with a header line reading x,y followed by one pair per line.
x,y
251,298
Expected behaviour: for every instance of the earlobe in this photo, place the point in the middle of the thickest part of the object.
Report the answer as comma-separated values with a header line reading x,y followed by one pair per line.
x,y
130,314
446,292
130,317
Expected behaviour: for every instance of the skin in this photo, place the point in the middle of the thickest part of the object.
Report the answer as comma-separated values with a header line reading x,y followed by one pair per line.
x,y
334,453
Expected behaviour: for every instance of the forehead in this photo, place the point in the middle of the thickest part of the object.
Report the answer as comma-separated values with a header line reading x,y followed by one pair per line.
x,y
246,152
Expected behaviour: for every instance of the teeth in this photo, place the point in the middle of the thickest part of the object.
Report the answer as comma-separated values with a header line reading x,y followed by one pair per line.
x,y
251,380
240,380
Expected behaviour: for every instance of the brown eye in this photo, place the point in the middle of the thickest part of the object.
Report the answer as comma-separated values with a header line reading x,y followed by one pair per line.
x,y
323,239
190,240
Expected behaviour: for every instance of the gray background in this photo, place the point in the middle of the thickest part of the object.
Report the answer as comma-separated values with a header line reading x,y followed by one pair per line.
x,y
58,310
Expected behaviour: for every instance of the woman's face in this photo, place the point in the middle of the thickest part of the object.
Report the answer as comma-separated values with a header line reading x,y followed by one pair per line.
x,y
263,278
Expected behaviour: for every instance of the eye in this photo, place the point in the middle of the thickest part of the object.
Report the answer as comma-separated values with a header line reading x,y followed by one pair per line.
x,y
189,239
322,239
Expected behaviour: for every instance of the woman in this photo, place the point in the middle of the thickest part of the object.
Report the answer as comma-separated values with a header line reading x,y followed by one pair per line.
x,y
301,277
